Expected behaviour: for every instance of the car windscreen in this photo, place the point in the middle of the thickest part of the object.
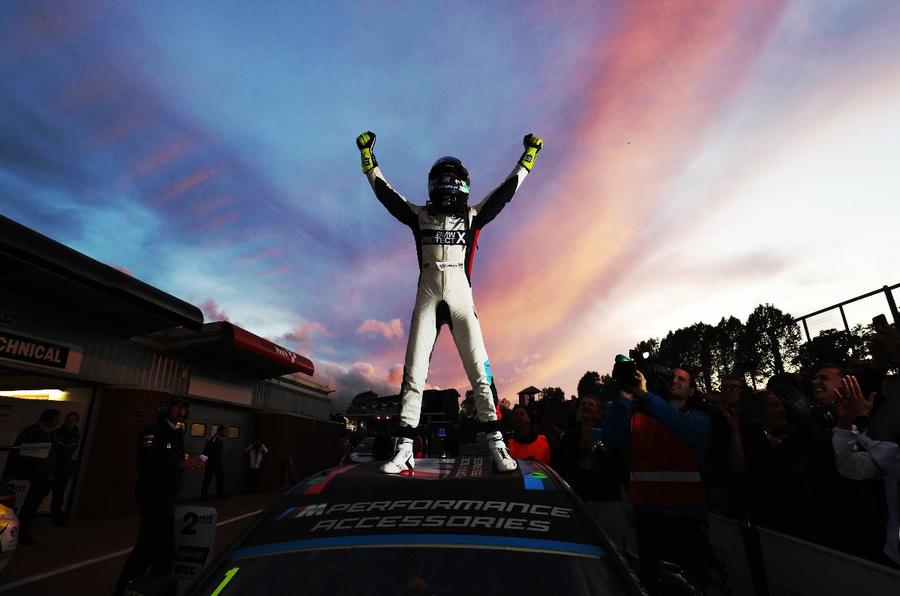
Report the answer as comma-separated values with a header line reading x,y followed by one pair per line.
x,y
415,570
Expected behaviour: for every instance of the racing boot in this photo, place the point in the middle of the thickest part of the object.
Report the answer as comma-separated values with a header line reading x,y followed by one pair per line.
x,y
403,458
503,461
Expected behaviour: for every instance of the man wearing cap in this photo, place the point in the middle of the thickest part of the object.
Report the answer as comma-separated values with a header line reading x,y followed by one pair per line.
x,y
161,461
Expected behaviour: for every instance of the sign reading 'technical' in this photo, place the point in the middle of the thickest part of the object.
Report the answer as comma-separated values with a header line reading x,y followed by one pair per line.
x,y
39,352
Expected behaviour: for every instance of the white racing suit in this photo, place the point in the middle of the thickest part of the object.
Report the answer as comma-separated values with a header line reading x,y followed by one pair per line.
x,y
446,247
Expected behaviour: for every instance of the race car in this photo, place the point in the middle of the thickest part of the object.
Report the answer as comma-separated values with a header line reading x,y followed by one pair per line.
x,y
452,526
9,526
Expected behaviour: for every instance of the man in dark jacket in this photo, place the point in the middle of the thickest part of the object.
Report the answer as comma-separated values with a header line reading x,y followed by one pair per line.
x,y
214,451
161,460
67,438
34,462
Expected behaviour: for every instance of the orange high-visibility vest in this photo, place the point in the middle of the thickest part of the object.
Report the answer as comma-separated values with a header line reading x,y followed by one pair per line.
x,y
663,470
538,450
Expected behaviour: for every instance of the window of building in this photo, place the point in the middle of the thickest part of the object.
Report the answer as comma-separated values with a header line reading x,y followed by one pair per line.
x,y
198,429
234,432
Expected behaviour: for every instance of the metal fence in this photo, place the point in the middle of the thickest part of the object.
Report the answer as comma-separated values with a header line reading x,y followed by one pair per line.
x,y
850,313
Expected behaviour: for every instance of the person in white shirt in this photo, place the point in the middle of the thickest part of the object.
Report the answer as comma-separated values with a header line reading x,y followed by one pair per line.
x,y
859,457
256,451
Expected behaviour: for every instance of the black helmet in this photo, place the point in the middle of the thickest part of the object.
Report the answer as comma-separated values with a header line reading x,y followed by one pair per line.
x,y
448,183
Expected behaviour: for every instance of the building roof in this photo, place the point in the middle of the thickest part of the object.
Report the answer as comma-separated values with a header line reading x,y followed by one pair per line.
x,y
532,390
108,300
224,344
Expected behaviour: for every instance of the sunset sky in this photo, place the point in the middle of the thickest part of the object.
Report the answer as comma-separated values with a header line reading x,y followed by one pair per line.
x,y
700,158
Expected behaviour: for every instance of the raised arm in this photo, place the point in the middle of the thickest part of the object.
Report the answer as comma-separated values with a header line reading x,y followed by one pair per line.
x,y
488,209
392,200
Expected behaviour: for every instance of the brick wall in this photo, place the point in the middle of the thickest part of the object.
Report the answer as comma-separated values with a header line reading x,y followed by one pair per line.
x,y
110,474
313,444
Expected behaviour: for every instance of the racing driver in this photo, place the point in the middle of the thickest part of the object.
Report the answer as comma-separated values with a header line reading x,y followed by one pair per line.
x,y
446,231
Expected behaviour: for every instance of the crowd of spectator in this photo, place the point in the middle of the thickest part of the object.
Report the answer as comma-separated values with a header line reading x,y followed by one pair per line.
x,y
813,456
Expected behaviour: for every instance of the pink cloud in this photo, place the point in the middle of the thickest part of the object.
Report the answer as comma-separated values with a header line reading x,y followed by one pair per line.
x,y
395,375
189,183
209,205
211,311
302,337
163,155
393,329
221,220
662,73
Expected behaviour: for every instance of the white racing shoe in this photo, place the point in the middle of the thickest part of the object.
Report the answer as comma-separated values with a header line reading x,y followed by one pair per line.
x,y
403,458
503,461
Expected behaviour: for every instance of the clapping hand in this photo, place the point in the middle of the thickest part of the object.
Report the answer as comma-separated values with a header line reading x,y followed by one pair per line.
x,y
850,403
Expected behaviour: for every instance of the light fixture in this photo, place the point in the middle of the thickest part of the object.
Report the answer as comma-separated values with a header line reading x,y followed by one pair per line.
x,y
45,394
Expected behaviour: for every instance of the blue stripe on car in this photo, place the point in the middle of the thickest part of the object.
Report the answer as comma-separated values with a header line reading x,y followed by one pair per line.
x,y
438,540
531,483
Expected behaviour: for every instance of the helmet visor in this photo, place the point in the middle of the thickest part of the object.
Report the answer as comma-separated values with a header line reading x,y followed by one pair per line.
x,y
447,185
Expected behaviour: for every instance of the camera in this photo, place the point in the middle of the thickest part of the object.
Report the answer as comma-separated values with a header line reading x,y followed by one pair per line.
x,y
624,372
658,376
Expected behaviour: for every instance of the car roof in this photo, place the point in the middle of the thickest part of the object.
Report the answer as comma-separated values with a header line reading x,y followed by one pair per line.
x,y
457,502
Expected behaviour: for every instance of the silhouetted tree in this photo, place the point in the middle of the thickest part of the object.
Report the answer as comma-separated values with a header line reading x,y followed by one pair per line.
x,y
553,394
757,349
770,339
832,345
467,407
728,334
647,346
589,384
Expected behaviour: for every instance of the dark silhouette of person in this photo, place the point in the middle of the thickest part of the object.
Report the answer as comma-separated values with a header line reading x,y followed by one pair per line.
x,y
161,460
214,451
35,462
67,438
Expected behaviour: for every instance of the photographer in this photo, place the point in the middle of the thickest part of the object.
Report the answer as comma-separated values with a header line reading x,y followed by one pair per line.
x,y
664,442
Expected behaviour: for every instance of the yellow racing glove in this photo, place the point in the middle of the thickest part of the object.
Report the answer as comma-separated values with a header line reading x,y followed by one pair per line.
x,y
365,142
533,144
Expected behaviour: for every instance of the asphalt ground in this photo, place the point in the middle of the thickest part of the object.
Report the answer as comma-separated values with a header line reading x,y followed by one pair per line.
x,y
85,557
